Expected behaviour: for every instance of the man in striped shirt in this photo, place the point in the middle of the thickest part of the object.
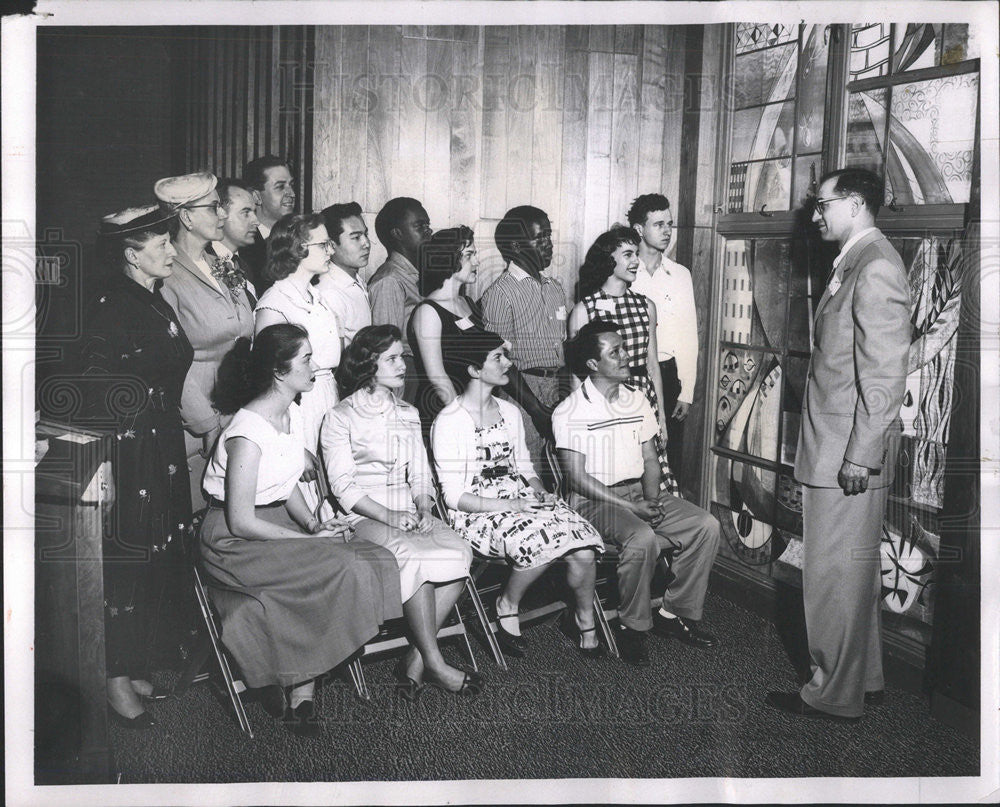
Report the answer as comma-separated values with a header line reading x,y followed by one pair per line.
x,y
528,309
604,437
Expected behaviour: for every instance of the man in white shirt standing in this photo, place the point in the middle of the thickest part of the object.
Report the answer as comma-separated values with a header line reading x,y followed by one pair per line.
x,y
604,437
668,285
343,288
273,189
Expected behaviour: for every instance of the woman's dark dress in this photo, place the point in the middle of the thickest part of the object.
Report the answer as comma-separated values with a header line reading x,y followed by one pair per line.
x,y
134,360
428,403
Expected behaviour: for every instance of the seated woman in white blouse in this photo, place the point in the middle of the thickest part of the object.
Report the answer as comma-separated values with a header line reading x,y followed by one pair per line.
x,y
378,471
313,599
496,500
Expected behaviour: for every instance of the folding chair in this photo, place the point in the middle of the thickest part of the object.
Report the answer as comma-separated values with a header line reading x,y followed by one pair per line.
x,y
389,639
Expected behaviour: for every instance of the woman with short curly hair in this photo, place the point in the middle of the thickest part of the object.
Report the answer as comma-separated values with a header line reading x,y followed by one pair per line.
x,y
298,250
379,473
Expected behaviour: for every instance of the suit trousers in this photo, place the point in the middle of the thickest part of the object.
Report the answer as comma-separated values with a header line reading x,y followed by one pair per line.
x,y
687,531
841,584
675,427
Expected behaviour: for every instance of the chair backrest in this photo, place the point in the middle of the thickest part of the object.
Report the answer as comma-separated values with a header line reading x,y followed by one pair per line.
x,y
555,468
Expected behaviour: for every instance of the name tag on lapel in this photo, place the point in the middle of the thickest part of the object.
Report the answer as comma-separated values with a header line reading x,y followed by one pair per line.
x,y
463,324
834,285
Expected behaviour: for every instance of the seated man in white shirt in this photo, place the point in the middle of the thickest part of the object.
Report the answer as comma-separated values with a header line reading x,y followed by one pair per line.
x,y
604,436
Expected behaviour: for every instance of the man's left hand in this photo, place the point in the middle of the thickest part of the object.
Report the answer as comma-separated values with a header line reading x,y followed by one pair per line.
x,y
852,478
680,411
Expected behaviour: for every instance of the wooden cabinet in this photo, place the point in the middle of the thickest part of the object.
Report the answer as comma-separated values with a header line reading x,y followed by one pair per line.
x,y
73,488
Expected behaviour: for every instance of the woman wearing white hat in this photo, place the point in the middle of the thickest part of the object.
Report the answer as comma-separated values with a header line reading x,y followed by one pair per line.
x,y
212,303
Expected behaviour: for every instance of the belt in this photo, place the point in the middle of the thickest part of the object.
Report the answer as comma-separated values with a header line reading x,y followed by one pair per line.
x,y
218,504
634,481
542,372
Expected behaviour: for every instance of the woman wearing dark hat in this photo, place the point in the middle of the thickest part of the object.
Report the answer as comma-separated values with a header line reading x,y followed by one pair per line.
x,y
496,500
378,470
211,302
135,358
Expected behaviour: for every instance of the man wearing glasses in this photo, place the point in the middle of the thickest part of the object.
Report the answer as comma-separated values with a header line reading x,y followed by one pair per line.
x,y
668,285
847,449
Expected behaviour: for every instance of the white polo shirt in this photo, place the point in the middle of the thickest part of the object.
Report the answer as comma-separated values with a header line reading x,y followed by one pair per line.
x,y
349,299
609,434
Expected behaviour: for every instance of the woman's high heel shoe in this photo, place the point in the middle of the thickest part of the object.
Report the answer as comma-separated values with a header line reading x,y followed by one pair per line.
x,y
573,632
509,642
406,688
472,684
141,722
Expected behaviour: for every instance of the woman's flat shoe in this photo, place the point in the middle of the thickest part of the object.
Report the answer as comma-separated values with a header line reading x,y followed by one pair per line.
x,y
301,721
510,643
472,684
141,722
272,700
572,631
159,694
406,688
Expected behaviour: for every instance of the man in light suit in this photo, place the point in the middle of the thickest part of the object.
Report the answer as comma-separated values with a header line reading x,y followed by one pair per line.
x,y
846,451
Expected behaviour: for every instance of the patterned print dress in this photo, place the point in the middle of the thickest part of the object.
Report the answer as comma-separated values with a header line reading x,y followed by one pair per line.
x,y
528,539
630,312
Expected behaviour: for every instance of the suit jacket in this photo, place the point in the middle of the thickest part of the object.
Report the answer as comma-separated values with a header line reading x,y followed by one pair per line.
x,y
254,256
857,372
213,322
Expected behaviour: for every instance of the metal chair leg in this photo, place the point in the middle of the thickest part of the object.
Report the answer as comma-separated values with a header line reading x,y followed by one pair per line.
x,y
605,628
358,678
465,636
484,622
220,656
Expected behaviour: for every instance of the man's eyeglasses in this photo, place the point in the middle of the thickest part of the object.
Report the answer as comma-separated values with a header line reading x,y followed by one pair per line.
x,y
328,244
213,206
822,203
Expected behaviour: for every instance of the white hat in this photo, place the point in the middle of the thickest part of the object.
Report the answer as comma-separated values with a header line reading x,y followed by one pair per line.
x,y
179,191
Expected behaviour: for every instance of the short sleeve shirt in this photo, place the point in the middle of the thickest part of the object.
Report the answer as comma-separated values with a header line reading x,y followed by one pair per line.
x,y
609,434
282,456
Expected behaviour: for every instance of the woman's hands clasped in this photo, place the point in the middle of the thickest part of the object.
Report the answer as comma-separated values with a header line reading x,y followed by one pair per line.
x,y
334,527
420,521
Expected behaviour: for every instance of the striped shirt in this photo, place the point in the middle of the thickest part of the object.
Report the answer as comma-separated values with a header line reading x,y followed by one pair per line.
x,y
528,314
609,434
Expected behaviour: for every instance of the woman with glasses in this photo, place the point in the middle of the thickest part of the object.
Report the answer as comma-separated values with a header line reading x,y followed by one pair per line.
x,y
496,500
378,470
213,306
298,250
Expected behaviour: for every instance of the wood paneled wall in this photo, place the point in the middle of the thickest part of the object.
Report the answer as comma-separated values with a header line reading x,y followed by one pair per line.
x,y
242,92
577,120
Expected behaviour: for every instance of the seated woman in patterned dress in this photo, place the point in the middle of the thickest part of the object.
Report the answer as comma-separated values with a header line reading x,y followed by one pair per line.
x,y
607,272
496,500
378,471
312,599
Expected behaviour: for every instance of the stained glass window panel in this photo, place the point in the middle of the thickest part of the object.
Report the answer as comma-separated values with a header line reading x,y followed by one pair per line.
x,y
791,405
770,270
748,412
737,294
808,169
869,50
866,129
932,133
756,35
812,89
921,45
765,76
768,185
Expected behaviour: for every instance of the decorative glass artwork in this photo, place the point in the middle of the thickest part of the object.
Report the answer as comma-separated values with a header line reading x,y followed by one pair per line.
x,y
748,411
765,76
869,50
866,129
812,90
795,370
755,35
920,45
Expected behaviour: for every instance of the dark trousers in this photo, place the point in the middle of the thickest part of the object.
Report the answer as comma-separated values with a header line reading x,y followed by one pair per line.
x,y
675,428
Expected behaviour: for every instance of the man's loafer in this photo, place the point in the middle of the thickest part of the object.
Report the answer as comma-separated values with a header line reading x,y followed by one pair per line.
x,y
793,704
684,630
632,646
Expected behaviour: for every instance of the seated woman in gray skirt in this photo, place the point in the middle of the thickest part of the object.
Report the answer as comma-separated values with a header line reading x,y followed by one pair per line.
x,y
320,599
378,470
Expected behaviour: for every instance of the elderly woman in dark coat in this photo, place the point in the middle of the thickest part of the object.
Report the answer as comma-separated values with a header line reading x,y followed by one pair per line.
x,y
135,358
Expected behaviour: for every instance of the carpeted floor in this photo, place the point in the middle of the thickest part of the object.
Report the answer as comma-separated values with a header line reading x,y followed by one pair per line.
x,y
692,713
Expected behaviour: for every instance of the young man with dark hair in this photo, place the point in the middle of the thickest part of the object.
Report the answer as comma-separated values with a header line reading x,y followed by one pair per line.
x,y
604,437
528,309
846,455
402,225
343,288
668,285
271,183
